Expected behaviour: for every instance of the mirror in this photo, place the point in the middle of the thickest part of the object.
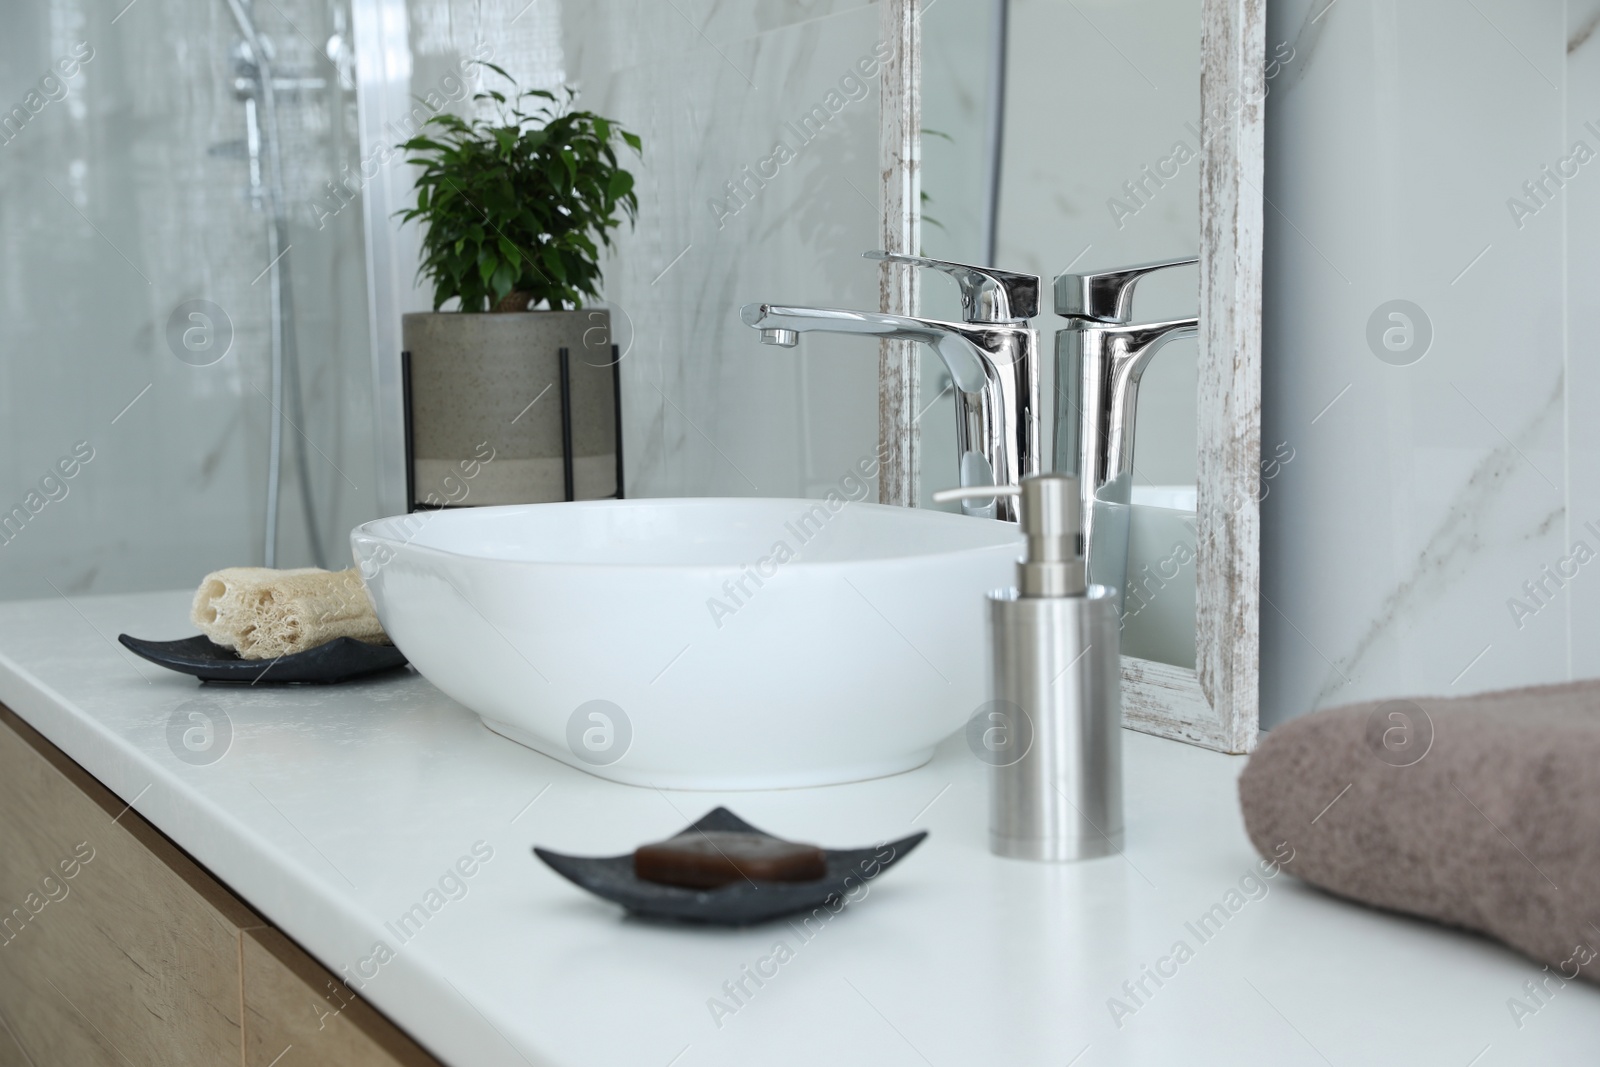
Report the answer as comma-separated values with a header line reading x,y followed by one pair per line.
x,y
1087,137
1064,137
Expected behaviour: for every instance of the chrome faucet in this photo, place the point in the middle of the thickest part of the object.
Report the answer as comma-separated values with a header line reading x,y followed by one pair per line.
x,y
1100,357
992,356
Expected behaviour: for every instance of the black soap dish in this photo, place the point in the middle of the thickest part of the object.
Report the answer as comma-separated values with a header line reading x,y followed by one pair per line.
x,y
738,903
338,660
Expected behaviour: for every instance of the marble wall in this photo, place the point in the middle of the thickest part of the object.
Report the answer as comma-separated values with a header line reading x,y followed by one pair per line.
x,y
1432,262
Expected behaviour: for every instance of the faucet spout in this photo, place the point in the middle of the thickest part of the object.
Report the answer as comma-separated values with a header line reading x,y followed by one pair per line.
x,y
1100,357
962,355
1106,364
993,368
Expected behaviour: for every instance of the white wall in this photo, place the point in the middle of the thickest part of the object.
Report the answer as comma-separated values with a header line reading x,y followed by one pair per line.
x,y
1422,497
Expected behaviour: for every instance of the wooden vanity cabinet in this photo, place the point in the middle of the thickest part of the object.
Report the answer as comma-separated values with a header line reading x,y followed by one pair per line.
x,y
116,948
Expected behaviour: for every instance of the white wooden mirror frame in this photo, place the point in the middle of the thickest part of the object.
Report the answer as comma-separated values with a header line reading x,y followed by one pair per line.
x,y
1214,705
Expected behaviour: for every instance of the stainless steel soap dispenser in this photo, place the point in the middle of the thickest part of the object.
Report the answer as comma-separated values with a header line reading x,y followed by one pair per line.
x,y
1052,734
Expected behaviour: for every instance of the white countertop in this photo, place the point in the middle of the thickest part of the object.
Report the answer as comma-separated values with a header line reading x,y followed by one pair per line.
x,y
334,810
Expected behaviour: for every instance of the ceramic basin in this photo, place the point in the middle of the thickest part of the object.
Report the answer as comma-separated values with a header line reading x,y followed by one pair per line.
x,y
699,644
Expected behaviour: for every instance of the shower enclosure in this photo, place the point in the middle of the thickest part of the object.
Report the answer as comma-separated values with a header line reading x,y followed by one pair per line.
x,y
257,87
185,299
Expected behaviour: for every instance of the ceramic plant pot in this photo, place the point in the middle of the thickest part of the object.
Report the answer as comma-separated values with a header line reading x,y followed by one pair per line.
x,y
511,408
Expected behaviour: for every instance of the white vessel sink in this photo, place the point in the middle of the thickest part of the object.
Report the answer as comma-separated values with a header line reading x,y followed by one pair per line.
x,y
671,643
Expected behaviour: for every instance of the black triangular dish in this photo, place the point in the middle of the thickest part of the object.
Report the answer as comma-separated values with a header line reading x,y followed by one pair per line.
x,y
338,660
737,904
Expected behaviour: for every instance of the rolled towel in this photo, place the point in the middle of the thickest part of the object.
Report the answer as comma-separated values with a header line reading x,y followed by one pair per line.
x,y
1480,811
262,613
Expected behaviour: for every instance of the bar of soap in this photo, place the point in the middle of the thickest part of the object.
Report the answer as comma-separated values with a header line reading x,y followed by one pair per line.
x,y
706,859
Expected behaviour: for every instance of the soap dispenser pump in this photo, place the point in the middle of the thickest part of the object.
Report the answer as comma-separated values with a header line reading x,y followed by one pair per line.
x,y
1052,734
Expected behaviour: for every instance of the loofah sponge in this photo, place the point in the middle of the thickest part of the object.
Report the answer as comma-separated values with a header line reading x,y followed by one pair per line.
x,y
262,613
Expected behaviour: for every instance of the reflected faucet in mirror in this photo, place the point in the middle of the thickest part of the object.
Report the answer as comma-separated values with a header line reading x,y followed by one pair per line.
x,y
1100,356
992,357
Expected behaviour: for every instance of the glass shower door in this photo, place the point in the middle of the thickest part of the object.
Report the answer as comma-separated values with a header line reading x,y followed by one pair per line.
x,y
183,278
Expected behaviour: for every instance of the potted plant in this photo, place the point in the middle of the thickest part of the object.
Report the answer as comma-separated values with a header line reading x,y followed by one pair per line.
x,y
511,396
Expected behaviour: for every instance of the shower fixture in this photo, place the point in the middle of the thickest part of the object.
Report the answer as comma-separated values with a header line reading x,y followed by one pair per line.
x,y
257,86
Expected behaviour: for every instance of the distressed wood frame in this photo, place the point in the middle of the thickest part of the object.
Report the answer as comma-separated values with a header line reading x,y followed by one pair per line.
x,y
900,186
1214,705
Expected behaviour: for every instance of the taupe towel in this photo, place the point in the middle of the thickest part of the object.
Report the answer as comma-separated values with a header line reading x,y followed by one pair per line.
x,y
1479,811
262,613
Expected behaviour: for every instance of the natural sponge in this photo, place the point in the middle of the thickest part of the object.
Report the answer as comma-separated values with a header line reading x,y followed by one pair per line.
x,y
263,613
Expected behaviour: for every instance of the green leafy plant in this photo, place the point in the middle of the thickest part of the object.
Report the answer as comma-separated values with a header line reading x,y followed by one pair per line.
x,y
512,208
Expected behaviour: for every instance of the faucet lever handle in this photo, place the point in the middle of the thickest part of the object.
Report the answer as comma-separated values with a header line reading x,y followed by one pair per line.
x,y
1050,504
988,295
1050,515
1107,296
974,492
